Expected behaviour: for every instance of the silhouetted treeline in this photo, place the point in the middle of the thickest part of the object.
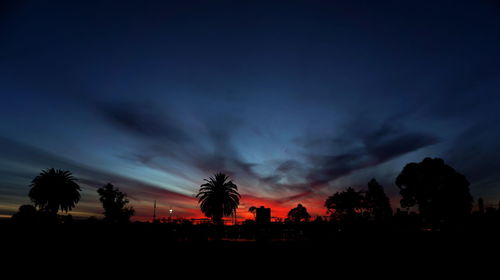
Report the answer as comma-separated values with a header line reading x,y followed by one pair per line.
x,y
434,198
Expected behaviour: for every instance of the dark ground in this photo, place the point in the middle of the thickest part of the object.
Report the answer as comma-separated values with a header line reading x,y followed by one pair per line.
x,y
348,247
148,247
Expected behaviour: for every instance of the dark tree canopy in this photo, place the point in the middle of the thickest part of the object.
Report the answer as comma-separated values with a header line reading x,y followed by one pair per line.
x,y
480,205
345,204
299,214
377,202
27,214
218,197
54,189
253,210
441,193
115,203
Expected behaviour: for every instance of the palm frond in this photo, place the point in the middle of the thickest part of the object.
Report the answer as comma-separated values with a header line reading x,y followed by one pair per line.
x,y
218,197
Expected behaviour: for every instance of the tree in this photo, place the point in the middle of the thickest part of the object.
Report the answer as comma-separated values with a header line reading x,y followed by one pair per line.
x,y
377,202
441,193
346,204
115,203
299,214
26,214
480,205
53,190
218,197
253,210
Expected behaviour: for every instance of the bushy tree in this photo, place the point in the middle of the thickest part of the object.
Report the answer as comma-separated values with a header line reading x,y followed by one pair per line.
x,y
299,214
115,203
377,202
345,204
441,193
253,210
27,214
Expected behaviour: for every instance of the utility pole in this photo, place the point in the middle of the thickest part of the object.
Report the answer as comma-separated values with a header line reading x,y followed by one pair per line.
x,y
154,212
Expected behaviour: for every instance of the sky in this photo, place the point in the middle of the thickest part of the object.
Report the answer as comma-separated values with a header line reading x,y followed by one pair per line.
x,y
295,100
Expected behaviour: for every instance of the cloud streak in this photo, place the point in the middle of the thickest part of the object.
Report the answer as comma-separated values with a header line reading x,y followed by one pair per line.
x,y
212,151
27,161
376,147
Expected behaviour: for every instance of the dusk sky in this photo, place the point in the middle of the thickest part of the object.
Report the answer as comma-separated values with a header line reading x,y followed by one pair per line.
x,y
294,99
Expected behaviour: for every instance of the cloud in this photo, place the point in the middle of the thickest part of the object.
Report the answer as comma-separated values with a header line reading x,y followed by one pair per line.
x,y
24,162
209,149
375,147
178,146
142,121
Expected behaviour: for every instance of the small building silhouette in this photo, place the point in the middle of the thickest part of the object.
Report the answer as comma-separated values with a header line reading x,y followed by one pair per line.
x,y
263,215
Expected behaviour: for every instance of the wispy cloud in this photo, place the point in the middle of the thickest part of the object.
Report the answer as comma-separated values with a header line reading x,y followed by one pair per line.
x,y
25,161
210,149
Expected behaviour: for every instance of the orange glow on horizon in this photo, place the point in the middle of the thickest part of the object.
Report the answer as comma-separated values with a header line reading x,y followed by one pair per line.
x,y
187,210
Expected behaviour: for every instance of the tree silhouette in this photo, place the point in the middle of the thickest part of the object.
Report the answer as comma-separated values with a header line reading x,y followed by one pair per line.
x,y
253,210
26,214
218,197
54,189
115,203
299,214
441,193
377,202
480,205
346,204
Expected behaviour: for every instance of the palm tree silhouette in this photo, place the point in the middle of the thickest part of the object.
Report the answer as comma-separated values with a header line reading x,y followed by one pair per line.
x,y
218,197
54,189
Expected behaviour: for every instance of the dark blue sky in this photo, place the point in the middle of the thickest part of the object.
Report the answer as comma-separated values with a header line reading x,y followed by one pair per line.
x,y
294,99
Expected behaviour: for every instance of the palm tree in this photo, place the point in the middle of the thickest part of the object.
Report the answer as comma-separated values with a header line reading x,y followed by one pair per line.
x,y
218,197
54,189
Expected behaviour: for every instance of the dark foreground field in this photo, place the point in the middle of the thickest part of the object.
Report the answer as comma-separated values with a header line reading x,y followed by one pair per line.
x,y
145,254
162,245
